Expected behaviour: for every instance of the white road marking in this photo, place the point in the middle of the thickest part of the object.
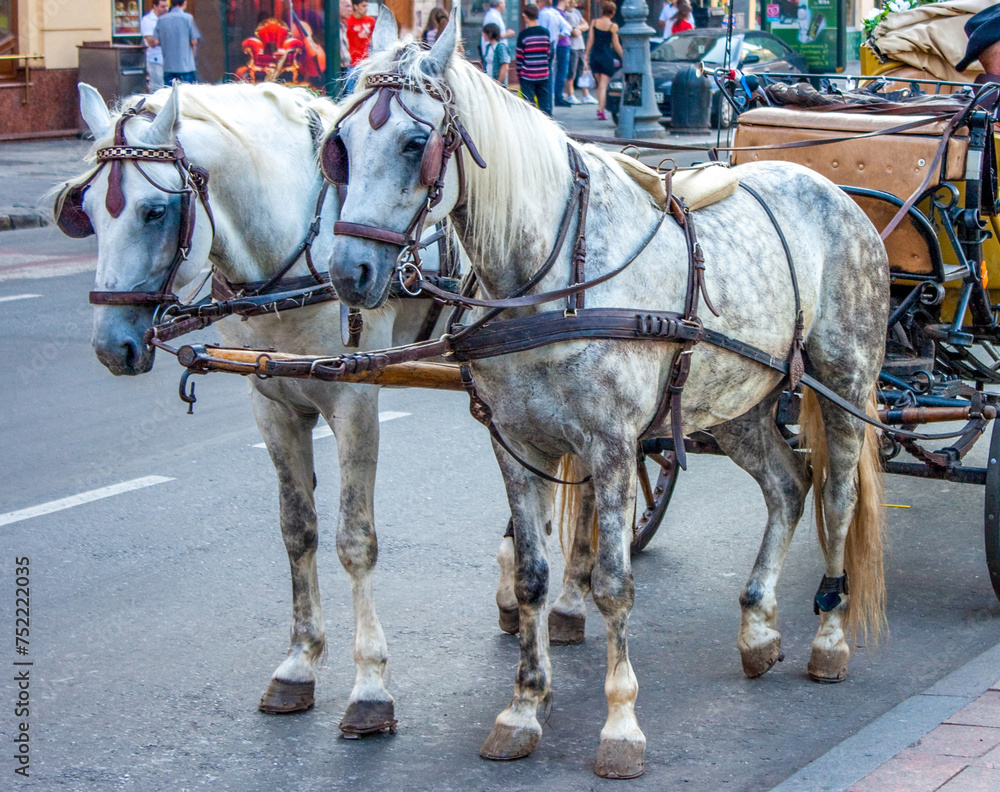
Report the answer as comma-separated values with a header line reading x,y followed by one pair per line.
x,y
13,297
324,430
83,497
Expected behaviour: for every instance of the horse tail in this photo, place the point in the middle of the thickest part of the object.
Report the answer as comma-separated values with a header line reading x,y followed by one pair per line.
x,y
863,549
566,504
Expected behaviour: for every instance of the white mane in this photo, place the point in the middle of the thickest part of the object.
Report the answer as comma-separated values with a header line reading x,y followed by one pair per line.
x,y
506,130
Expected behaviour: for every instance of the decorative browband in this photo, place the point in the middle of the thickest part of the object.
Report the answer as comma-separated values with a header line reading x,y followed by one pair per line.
x,y
134,153
401,82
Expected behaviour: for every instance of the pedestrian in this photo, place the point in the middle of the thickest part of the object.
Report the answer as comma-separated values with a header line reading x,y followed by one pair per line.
x,y
494,15
359,38
345,49
666,18
534,57
177,35
682,19
577,64
602,46
154,53
550,19
496,56
437,20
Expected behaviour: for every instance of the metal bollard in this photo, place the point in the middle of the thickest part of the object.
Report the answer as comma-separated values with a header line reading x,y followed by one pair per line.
x,y
690,101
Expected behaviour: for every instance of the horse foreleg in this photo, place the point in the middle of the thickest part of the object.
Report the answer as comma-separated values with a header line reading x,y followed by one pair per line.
x,y
288,435
623,745
755,444
516,731
370,708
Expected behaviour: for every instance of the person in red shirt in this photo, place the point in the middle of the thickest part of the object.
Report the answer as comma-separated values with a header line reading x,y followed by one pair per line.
x,y
359,31
682,20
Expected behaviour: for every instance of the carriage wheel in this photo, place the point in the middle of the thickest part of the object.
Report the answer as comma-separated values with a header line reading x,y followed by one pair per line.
x,y
652,499
993,509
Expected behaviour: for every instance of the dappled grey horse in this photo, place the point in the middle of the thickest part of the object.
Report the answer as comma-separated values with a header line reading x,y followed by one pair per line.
x,y
595,399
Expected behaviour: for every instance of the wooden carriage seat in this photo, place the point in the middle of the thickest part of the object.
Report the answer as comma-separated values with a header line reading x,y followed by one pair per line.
x,y
895,164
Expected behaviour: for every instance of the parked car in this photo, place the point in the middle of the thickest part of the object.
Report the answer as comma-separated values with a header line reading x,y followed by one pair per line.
x,y
754,52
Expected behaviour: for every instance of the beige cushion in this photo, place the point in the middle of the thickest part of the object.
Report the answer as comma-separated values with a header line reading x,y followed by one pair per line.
x,y
698,187
704,185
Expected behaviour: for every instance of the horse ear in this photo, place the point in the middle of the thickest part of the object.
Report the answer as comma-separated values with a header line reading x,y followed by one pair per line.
x,y
94,111
386,33
444,46
163,130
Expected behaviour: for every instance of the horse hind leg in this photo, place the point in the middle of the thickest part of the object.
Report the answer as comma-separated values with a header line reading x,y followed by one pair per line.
x,y
574,513
755,444
850,520
289,442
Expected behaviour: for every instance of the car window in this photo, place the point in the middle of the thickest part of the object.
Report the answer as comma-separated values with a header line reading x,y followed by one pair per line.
x,y
710,47
765,48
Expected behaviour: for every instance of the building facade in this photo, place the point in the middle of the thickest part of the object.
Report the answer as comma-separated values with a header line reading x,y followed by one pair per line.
x,y
40,41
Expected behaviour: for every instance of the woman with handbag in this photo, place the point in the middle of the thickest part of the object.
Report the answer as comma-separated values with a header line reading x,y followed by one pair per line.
x,y
579,69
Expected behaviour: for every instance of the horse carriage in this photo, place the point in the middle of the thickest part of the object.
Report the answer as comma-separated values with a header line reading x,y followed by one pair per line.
x,y
808,305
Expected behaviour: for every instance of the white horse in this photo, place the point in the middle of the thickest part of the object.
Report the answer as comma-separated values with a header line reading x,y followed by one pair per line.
x,y
258,145
595,399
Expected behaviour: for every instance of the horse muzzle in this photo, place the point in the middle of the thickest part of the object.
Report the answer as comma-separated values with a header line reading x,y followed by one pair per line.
x,y
361,271
118,339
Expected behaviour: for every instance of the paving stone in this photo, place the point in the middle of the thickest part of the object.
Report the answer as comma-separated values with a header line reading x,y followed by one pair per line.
x,y
974,779
984,711
911,771
952,740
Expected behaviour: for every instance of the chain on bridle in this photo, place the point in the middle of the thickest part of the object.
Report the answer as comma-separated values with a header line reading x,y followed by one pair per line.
x,y
441,145
73,221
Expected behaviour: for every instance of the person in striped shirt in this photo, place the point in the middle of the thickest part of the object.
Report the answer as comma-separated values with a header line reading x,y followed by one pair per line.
x,y
533,56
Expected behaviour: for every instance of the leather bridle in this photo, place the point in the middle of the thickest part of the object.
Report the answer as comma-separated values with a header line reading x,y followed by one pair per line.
x,y
194,183
441,146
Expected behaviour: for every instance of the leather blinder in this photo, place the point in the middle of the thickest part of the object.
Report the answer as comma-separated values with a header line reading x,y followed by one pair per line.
x,y
333,160
69,214
433,159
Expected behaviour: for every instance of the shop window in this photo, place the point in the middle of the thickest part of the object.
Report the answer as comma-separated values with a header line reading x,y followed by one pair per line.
x,y
277,40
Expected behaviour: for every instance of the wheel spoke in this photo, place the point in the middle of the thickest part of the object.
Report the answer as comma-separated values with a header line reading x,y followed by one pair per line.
x,y
647,488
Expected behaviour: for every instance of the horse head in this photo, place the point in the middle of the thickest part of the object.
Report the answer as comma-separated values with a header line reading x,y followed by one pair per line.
x,y
135,207
396,147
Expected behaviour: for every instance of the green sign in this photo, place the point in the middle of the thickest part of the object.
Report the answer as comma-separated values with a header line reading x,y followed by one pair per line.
x,y
814,28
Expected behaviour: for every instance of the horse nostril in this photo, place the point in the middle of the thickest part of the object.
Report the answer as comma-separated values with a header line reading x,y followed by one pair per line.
x,y
365,272
131,354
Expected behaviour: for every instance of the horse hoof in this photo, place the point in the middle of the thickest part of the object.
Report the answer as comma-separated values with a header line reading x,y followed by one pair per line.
x,y
758,660
510,621
368,717
507,743
620,759
828,666
284,698
566,629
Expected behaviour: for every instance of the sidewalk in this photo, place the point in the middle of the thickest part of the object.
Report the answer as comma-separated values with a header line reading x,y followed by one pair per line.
x,y
946,738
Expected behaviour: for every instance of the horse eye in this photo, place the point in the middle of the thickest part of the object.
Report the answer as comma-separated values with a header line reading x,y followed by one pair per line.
x,y
414,145
155,213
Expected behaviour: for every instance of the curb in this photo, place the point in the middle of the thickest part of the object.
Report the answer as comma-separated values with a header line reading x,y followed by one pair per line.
x,y
900,727
16,219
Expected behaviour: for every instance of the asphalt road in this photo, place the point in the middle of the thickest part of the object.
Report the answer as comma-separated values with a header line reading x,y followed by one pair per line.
x,y
158,614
